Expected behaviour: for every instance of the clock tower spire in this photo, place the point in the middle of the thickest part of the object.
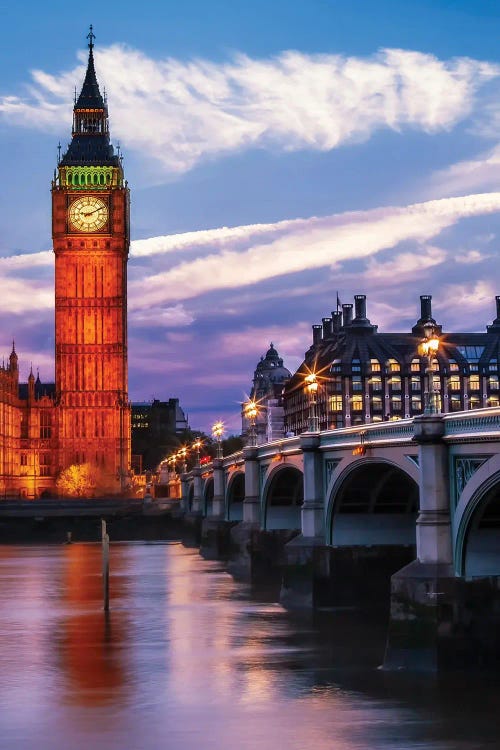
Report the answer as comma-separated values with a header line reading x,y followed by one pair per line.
x,y
90,230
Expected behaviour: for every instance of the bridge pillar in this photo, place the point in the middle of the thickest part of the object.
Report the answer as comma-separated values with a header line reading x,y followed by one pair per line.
x,y
313,509
425,594
215,543
218,501
434,543
198,490
251,502
184,493
302,553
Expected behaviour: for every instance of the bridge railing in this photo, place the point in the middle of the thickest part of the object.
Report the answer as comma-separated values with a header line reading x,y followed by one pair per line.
x,y
458,425
462,424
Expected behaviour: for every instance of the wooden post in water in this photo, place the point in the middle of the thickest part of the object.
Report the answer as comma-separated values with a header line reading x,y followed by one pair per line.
x,y
105,564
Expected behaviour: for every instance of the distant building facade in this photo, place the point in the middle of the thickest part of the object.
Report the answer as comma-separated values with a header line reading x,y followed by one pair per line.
x,y
366,376
268,382
154,424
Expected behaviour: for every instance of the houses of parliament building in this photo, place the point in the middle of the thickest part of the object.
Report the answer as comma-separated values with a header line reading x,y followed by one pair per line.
x,y
84,417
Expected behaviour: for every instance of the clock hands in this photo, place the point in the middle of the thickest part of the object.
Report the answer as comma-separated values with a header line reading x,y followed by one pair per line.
x,y
89,213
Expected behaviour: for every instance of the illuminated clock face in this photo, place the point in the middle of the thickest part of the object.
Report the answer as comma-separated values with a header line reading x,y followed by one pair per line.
x,y
88,214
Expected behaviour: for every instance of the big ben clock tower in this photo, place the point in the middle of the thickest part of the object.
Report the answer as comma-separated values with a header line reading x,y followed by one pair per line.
x,y
90,230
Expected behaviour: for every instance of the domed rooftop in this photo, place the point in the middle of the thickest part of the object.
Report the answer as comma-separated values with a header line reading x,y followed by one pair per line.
x,y
270,375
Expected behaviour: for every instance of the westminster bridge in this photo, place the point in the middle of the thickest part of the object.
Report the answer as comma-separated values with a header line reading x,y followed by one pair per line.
x,y
416,502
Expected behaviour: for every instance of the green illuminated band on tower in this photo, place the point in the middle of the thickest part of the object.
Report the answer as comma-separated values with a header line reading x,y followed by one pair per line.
x,y
82,177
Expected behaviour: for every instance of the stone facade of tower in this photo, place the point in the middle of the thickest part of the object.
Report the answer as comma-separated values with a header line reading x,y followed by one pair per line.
x,y
90,229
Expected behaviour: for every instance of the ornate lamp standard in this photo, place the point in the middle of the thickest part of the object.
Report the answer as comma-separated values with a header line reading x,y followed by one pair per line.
x,y
197,446
172,460
311,388
217,433
250,410
183,455
428,348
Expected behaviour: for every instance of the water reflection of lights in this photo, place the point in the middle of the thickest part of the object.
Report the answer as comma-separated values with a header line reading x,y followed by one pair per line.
x,y
90,642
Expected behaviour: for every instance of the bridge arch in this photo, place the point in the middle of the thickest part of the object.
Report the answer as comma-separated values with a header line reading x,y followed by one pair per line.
x,y
477,523
373,501
235,494
208,496
282,498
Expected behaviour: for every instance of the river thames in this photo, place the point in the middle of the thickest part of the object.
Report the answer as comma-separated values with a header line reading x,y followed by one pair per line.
x,y
190,659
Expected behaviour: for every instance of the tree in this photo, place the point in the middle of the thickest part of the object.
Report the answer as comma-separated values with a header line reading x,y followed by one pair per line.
x,y
78,480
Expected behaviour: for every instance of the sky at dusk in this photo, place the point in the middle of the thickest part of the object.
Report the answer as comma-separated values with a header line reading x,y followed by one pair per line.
x,y
277,152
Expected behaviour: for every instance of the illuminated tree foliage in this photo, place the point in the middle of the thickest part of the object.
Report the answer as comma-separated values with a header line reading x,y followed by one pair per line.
x,y
78,480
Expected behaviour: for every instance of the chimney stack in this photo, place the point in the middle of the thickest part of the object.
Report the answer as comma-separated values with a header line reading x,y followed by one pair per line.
x,y
327,327
425,307
346,315
495,327
360,306
336,321
317,334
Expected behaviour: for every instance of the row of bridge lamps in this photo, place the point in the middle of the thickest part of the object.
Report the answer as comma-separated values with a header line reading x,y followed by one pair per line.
x,y
427,349
181,455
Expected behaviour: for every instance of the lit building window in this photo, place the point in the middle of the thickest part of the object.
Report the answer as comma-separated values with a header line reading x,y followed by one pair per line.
x,y
474,383
493,365
415,365
474,402
416,403
455,402
357,385
493,382
436,380
396,403
493,401
374,365
454,383
416,384
376,383
336,403
396,383
336,366
393,365
357,403
376,403
453,366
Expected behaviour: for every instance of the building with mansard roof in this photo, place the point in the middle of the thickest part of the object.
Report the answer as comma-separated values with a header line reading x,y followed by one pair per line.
x,y
368,376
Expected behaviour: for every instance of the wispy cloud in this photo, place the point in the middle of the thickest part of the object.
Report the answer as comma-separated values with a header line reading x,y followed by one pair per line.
x,y
156,296
188,111
319,243
483,172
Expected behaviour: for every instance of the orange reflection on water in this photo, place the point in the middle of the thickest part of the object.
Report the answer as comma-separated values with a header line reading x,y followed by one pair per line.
x,y
91,643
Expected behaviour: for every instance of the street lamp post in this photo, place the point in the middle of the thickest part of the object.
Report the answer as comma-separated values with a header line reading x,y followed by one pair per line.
x,y
428,348
217,432
250,410
197,446
183,454
311,388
